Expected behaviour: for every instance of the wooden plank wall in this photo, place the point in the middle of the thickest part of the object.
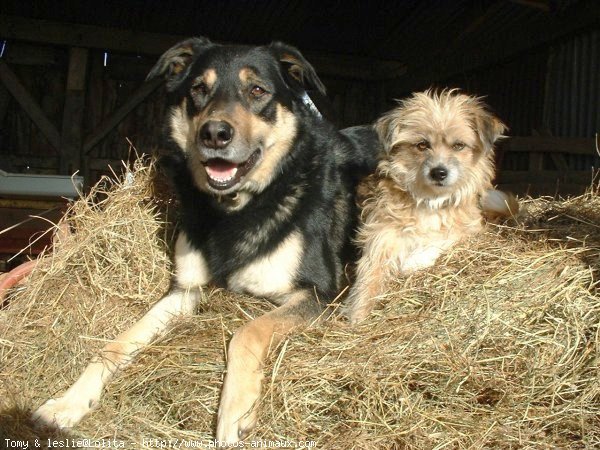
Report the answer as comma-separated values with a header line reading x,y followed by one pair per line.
x,y
110,108
547,165
102,106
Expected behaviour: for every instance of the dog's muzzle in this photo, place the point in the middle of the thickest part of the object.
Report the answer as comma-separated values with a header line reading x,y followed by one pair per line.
x,y
438,174
224,174
225,162
216,134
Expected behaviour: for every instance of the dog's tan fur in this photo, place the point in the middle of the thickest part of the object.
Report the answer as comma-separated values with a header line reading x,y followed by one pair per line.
x,y
409,219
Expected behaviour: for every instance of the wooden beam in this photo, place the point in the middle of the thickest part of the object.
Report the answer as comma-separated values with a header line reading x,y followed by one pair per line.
x,y
354,67
136,98
582,177
547,144
4,101
22,203
72,122
142,43
542,5
534,189
31,107
88,36
18,53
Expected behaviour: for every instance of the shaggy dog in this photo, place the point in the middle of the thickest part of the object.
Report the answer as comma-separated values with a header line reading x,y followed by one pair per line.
x,y
431,188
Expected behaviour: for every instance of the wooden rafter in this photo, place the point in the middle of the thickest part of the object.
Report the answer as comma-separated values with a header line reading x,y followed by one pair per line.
x,y
72,122
143,43
542,5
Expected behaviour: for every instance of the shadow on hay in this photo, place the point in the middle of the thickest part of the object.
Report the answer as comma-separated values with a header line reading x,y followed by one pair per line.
x,y
16,425
572,223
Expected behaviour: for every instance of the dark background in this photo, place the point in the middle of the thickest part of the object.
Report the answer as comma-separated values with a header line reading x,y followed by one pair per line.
x,y
83,64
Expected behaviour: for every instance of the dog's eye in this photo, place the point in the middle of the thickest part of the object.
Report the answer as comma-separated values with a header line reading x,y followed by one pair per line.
x,y
423,145
459,146
257,91
200,89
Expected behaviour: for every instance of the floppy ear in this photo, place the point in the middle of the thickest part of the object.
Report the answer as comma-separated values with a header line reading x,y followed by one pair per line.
x,y
175,61
489,128
384,126
296,68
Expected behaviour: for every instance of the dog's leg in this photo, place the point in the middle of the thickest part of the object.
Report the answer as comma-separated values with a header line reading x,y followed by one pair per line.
x,y
84,395
370,278
247,351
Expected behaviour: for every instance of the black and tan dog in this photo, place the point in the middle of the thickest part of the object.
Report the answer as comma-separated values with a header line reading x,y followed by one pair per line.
x,y
267,195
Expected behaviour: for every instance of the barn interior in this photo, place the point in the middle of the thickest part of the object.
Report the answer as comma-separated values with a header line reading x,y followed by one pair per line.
x,y
496,348
73,99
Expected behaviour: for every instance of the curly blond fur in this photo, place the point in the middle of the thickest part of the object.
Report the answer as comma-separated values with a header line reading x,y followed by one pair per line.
x,y
425,195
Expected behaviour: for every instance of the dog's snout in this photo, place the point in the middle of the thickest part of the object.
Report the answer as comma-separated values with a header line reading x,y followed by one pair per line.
x,y
216,134
438,173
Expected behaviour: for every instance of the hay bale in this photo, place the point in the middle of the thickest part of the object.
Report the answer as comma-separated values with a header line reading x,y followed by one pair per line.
x,y
495,347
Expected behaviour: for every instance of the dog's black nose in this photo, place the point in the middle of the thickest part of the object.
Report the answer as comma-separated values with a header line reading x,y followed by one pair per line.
x,y
438,173
216,134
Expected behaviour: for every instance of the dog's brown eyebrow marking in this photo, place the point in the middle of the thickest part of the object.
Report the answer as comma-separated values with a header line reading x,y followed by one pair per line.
x,y
209,77
248,75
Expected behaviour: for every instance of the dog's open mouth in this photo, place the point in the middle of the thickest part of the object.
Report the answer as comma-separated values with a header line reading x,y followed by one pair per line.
x,y
224,174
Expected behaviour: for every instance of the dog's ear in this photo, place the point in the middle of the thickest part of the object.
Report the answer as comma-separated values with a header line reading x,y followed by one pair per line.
x,y
385,126
489,128
175,62
296,68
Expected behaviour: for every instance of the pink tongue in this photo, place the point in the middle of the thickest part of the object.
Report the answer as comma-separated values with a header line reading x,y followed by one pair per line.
x,y
221,170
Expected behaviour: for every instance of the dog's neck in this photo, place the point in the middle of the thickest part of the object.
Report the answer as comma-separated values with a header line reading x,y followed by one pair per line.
x,y
234,202
455,200
434,203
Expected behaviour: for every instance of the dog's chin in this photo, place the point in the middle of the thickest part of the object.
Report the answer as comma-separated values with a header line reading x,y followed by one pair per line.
x,y
433,193
440,188
225,177
435,189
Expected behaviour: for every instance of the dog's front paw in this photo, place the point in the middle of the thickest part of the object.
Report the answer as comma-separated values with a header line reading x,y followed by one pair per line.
x,y
61,413
237,410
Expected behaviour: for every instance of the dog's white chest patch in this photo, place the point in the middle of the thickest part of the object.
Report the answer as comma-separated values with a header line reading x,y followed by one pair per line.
x,y
273,274
191,269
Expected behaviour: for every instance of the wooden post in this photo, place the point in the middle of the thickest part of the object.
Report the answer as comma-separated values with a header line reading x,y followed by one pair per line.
x,y
72,124
4,99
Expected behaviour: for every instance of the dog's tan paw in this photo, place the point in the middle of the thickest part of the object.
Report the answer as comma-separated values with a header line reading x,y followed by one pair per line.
x,y
358,307
358,316
61,413
237,411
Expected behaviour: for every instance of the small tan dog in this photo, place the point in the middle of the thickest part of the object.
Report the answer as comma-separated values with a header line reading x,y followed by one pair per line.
x,y
432,187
